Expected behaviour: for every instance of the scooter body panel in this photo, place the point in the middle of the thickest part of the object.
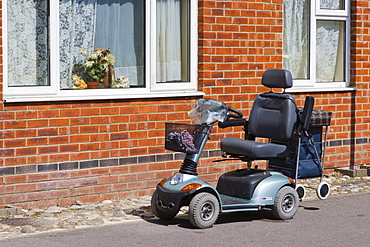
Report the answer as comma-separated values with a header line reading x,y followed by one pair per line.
x,y
171,195
267,189
263,195
179,181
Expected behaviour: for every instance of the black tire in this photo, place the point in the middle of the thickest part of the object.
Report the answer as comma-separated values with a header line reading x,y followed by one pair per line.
x,y
286,203
204,209
159,213
301,191
323,190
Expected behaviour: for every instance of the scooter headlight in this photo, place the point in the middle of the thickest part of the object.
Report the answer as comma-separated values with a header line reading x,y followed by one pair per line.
x,y
177,179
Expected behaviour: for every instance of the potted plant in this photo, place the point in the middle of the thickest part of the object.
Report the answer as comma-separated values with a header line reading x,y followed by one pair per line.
x,y
97,66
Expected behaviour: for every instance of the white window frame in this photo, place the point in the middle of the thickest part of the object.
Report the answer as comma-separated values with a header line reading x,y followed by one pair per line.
x,y
317,14
152,88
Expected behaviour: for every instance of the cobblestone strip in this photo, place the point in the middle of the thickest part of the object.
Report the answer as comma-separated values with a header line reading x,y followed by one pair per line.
x,y
339,185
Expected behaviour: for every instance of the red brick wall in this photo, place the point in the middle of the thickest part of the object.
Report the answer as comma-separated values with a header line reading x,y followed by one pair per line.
x,y
57,152
360,77
96,150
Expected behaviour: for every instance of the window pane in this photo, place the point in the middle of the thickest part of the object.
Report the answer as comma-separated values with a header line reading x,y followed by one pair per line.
x,y
28,38
172,39
117,25
76,24
296,38
332,4
330,38
120,26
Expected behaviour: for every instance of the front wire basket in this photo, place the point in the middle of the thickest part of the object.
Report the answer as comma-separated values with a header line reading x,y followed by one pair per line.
x,y
185,138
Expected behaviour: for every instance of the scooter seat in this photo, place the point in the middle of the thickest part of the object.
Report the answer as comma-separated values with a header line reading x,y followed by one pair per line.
x,y
252,149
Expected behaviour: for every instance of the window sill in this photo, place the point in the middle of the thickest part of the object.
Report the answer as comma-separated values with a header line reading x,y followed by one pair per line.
x,y
41,98
320,89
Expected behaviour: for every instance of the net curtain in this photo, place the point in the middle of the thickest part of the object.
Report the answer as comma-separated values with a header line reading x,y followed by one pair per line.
x,y
88,24
117,25
168,36
120,26
27,42
296,41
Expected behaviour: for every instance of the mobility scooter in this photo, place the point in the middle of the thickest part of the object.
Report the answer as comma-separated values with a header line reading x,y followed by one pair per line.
x,y
273,117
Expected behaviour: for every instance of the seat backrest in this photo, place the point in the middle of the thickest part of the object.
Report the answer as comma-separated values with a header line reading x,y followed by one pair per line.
x,y
274,115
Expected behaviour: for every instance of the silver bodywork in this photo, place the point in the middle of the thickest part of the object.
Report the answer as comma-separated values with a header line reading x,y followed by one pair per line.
x,y
264,194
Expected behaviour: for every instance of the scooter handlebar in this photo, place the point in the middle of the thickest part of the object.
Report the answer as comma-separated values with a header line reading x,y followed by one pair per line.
x,y
233,122
237,114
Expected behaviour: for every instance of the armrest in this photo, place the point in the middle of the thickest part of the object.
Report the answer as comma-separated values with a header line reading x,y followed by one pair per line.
x,y
307,112
233,122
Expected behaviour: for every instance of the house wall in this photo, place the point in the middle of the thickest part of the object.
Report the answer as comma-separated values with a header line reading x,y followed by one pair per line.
x,y
53,153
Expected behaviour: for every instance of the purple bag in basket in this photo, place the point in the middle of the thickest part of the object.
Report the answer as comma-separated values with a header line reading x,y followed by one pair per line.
x,y
188,141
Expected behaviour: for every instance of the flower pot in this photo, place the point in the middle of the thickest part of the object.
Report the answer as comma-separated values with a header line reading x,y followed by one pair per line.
x,y
108,77
92,84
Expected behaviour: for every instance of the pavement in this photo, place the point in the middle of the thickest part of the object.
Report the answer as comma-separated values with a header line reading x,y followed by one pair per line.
x,y
21,222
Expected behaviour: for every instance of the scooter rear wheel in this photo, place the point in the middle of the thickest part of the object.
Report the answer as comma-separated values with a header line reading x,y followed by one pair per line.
x,y
204,209
159,213
286,203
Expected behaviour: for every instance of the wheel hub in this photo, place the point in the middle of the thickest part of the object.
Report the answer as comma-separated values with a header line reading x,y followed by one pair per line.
x,y
288,203
207,211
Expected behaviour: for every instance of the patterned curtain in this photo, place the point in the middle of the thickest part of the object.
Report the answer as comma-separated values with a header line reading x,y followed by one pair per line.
x,y
77,26
328,40
28,52
85,25
332,4
296,38
329,36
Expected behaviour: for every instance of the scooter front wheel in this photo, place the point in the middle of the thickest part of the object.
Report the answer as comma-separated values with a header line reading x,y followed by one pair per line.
x,y
204,209
286,203
159,213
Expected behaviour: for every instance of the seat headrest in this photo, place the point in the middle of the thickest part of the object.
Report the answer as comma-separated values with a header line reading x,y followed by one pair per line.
x,y
277,78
